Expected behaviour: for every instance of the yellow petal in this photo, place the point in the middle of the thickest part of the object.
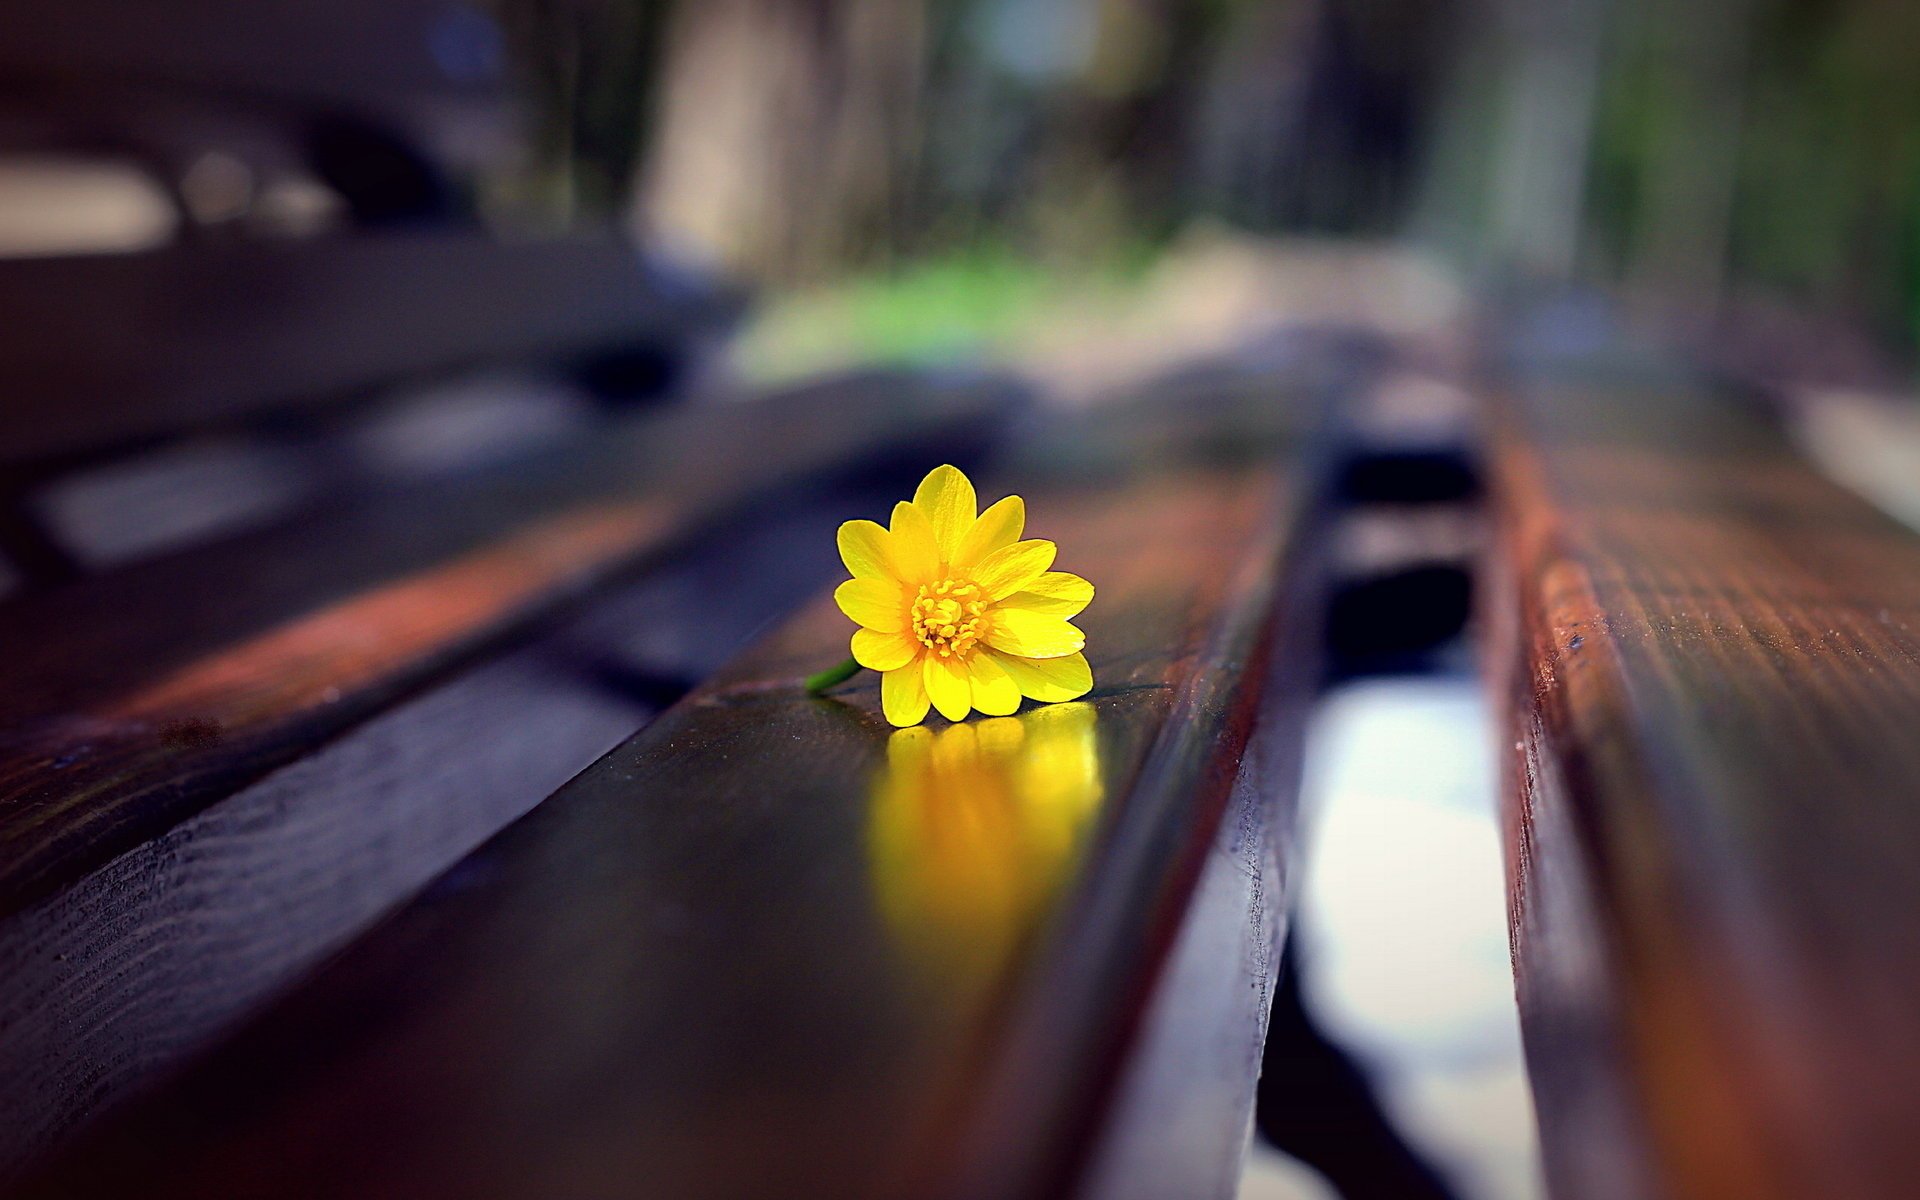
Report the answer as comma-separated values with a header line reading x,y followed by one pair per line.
x,y
903,695
916,555
1055,594
875,603
999,526
1011,568
994,691
1033,635
1049,680
867,549
884,651
946,497
948,685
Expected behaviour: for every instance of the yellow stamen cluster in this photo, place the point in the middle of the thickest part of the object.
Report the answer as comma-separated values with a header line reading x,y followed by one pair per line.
x,y
949,617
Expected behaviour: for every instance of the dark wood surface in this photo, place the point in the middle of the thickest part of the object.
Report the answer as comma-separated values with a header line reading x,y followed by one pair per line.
x,y
353,54
133,699
114,981
1184,1097
109,349
771,946
1713,661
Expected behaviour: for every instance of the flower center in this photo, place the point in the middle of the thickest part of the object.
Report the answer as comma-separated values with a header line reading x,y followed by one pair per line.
x,y
950,616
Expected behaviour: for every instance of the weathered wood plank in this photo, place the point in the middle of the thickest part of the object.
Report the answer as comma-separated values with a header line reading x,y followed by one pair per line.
x,y
771,946
1712,656
131,700
111,349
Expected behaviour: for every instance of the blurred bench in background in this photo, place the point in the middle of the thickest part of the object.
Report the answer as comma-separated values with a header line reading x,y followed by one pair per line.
x,y
233,237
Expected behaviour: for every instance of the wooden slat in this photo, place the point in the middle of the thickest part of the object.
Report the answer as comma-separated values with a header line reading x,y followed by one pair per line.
x,y
1178,1123
118,979
772,947
112,349
1713,661
131,700
348,53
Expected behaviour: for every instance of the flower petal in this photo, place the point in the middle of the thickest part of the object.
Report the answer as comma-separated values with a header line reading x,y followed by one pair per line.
x,y
946,497
1033,635
875,603
867,549
1048,680
884,651
1011,568
994,691
999,526
1056,594
903,695
916,554
948,685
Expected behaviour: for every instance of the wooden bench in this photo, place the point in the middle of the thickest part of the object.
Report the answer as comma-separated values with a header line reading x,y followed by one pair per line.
x,y
1711,656
208,336
223,760
231,743
771,946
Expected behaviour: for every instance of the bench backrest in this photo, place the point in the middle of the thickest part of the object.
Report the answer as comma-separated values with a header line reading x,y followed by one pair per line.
x,y
772,946
236,321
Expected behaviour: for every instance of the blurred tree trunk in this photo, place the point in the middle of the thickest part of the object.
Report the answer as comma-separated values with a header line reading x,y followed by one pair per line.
x,y
587,69
1552,59
796,139
1253,108
1682,240
787,131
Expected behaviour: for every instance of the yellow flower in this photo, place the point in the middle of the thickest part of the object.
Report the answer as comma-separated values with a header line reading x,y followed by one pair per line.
x,y
956,611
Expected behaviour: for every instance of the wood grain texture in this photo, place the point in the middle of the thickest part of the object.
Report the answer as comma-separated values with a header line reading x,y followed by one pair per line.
x,y
133,699
1713,661
771,946
113,349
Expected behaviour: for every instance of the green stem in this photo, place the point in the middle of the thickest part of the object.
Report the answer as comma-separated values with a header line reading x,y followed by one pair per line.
x,y
816,684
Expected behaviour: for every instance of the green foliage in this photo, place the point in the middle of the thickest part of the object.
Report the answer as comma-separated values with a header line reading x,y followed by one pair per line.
x,y
1822,105
966,303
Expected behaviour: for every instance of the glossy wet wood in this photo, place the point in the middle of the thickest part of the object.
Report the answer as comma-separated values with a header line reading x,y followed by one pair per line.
x,y
109,349
771,946
1713,661
131,700
123,976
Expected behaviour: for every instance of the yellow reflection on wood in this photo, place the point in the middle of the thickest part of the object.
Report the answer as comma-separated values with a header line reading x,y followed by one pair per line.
x,y
973,829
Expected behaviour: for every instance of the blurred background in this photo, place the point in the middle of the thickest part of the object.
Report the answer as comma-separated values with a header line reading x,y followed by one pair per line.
x,y
977,150
933,172
950,163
